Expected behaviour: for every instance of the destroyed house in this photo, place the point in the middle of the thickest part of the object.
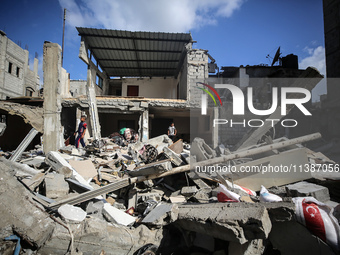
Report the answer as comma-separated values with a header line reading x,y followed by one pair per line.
x,y
142,80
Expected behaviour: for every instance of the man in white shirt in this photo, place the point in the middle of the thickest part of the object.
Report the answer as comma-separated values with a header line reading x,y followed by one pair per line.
x,y
172,131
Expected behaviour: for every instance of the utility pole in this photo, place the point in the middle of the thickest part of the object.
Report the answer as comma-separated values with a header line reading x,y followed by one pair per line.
x,y
62,52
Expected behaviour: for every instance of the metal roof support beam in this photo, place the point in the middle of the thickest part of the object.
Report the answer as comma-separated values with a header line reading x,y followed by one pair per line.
x,y
135,68
136,55
146,60
139,39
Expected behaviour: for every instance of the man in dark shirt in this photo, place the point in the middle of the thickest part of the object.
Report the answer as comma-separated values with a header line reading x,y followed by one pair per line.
x,y
81,131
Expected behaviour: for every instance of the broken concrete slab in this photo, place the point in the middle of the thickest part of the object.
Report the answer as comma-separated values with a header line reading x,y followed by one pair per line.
x,y
56,161
84,167
177,199
72,213
152,168
95,235
55,186
161,215
202,196
23,145
21,169
306,189
281,211
36,161
20,213
177,147
132,198
201,150
115,215
273,169
32,115
35,181
186,157
67,172
234,222
95,208
175,159
189,190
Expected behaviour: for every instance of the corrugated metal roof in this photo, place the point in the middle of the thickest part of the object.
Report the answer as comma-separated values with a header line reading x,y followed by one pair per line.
x,y
126,53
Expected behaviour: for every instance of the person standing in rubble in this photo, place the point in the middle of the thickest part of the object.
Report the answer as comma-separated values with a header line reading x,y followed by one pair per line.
x,y
172,131
81,132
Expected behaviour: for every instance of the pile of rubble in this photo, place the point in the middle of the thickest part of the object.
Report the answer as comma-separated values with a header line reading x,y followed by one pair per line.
x,y
160,197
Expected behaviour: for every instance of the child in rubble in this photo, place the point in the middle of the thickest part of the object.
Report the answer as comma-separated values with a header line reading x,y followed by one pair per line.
x,y
81,132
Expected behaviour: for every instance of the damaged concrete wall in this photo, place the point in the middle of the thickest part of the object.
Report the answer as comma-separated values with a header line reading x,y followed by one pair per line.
x,y
15,132
197,72
183,80
31,114
155,87
78,88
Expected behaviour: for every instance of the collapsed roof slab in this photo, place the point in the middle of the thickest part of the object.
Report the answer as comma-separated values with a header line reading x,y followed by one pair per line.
x,y
127,103
31,114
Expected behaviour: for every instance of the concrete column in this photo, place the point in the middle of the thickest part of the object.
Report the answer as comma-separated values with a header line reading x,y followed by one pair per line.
x,y
53,132
93,111
145,126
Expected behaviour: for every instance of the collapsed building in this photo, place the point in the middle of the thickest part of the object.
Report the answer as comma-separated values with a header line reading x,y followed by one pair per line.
x,y
153,195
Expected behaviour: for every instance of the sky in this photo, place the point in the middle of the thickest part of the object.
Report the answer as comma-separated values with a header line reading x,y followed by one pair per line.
x,y
236,32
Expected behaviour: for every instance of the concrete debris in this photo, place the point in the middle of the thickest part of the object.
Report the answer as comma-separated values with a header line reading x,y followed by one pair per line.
x,y
305,189
189,191
95,235
234,222
72,213
23,145
115,215
162,214
30,114
19,213
174,158
55,186
201,150
84,167
152,168
121,196
177,147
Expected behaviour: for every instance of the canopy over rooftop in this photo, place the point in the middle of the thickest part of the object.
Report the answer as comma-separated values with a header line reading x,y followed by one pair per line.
x,y
136,54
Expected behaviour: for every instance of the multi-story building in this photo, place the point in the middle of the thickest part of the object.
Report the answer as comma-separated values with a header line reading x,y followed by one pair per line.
x,y
16,77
